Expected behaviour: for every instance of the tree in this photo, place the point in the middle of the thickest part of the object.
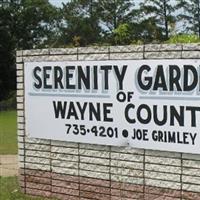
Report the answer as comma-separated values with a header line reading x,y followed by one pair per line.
x,y
147,31
190,14
31,22
7,58
24,24
36,23
115,12
82,22
161,11
122,34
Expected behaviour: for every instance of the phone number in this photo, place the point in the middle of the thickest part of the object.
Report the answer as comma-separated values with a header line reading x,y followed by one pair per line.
x,y
98,131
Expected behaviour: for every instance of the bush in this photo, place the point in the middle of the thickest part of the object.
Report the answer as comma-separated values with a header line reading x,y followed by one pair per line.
x,y
9,103
183,39
122,34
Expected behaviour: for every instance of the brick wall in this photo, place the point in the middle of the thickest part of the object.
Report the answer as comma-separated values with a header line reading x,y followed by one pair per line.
x,y
73,171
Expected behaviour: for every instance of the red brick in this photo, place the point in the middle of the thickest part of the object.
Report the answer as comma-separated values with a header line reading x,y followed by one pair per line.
x,y
21,183
64,187
35,192
190,195
121,198
115,192
93,181
130,194
38,186
36,179
115,198
127,194
163,191
82,198
127,186
21,171
66,184
159,197
94,195
65,177
97,189
39,173
65,190
21,177
64,197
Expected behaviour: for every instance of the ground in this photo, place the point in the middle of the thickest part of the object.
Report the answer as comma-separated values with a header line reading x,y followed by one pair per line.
x,y
8,165
9,187
8,132
9,190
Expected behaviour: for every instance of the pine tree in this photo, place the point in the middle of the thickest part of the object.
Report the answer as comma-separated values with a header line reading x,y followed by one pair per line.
x,y
190,13
115,12
24,24
162,13
82,22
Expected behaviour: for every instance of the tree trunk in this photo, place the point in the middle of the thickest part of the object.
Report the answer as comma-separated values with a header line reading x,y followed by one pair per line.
x,y
166,21
198,8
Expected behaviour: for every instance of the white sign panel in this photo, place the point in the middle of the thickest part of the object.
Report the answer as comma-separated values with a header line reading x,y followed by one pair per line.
x,y
152,104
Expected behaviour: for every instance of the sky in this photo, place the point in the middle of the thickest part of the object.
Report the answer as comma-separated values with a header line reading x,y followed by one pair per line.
x,y
58,3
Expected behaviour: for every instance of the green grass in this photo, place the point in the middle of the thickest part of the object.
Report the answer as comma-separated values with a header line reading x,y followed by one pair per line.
x,y
9,190
8,132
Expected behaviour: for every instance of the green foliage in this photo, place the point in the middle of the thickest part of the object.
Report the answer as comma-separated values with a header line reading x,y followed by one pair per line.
x,y
122,34
115,12
9,103
112,15
137,42
36,22
27,24
10,190
82,22
184,39
190,14
24,24
7,52
147,31
161,12
8,133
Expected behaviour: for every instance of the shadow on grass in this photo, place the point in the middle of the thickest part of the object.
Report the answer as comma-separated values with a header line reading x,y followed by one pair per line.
x,y
9,190
8,132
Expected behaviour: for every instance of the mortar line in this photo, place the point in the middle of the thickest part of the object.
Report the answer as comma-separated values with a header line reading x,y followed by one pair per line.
x,y
79,187
51,181
144,182
181,177
110,172
24,128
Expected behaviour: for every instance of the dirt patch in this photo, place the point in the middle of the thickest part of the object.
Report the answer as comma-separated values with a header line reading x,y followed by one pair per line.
x,y
8,165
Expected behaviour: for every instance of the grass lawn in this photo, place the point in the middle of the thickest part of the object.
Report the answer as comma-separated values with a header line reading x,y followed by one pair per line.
x,y
9,190
8,132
